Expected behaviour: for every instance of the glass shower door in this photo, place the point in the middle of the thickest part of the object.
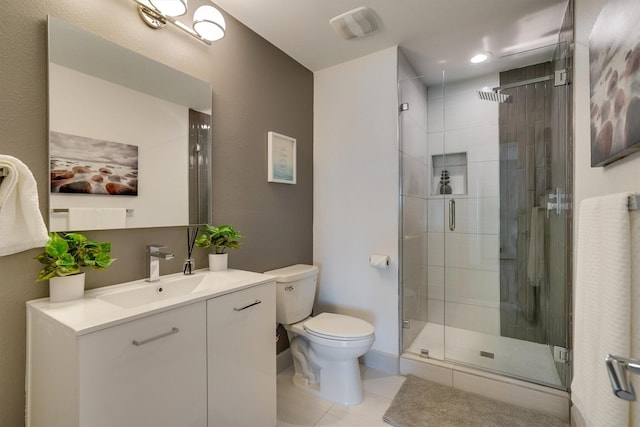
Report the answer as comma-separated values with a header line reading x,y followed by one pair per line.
x,y
470,267
506,247
422,300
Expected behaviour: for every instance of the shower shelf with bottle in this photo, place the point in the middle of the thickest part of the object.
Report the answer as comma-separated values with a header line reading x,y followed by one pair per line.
x,y
449,174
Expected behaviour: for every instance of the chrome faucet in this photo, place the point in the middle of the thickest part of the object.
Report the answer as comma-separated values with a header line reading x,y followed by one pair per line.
x,y
154,255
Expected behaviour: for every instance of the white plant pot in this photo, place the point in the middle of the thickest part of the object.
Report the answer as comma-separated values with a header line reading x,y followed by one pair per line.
x,y
66,288
218,262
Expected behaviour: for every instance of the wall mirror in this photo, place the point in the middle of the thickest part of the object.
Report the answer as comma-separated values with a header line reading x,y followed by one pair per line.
x,y
129,137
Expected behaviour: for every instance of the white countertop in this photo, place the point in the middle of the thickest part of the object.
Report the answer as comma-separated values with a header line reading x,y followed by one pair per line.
x,y
91,313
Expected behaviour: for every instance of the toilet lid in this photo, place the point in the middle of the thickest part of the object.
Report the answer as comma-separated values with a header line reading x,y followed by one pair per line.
x,y
338,326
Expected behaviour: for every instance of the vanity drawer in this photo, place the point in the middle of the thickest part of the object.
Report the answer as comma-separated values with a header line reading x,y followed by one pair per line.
x,y
147,372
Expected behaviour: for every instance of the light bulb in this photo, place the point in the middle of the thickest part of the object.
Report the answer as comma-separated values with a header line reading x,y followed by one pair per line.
x,y
209,23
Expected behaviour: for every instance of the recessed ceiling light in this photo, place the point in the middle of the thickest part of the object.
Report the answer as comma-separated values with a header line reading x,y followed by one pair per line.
x,y
480,57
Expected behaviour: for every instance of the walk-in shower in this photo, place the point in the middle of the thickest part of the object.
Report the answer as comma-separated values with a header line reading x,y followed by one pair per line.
x,y
486,217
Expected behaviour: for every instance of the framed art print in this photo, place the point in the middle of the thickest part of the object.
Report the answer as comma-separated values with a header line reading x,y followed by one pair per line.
x,y
282,158
83,165
614,68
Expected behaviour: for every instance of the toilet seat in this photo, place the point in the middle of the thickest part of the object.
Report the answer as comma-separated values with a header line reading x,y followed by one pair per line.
x,y
340,327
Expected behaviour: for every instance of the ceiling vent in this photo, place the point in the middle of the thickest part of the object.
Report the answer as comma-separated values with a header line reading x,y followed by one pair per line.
x,y
355,23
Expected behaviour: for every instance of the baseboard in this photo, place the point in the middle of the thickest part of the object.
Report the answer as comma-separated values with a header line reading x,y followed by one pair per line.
x,y
576,418
516,392
284,360
384,362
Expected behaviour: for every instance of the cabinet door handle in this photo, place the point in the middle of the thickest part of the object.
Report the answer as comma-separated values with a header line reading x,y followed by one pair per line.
x,y
452,214
173,330
256,302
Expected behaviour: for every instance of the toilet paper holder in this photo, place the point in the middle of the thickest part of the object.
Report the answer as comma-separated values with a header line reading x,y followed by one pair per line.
x,y
379,261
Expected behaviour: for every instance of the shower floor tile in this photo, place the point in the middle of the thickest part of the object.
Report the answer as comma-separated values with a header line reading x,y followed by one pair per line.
x,y
514,357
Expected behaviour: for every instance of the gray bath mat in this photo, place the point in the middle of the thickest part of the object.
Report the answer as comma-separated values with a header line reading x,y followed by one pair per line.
x,y
422,403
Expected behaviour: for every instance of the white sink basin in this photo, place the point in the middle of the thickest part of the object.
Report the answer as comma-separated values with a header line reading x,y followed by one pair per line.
x,y
150,292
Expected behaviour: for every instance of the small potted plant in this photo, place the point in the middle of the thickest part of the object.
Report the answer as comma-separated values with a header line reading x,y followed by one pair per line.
x,y
64,254
218,239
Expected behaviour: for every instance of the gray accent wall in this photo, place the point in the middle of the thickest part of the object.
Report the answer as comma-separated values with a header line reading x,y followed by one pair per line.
x,y
525,169
256,89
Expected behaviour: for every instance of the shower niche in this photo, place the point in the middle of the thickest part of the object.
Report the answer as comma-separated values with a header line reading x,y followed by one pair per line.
x,y
449,174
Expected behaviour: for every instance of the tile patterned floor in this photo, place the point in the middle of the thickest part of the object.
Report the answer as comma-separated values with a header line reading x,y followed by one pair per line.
x,y
299,409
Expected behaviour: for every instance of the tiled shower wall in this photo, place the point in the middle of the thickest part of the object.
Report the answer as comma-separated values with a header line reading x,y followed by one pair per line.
x,y
525,180
463,276
453,277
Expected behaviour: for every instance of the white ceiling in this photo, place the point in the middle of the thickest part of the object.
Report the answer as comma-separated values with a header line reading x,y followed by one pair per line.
x,y
434,34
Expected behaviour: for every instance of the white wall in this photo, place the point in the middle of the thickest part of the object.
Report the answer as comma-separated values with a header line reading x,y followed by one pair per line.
x,y
356,182
623,175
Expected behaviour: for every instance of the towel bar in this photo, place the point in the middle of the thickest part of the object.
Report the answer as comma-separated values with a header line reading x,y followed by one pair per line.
x,y
634,202
617,368
66,210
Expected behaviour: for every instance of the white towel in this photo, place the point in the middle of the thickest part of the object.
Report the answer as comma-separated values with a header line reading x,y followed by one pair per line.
x,y
602,307
21,224
97,218
635,308
536,270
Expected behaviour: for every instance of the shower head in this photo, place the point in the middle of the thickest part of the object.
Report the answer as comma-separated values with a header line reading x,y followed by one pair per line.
x,y
492,95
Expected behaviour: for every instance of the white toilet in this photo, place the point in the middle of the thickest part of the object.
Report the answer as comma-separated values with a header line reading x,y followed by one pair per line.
x,y
326,347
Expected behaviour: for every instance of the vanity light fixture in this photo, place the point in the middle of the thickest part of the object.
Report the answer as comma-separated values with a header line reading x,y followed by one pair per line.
x,y
170,7
208,22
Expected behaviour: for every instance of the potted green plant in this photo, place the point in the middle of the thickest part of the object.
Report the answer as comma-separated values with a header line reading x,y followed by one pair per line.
x,y
64,254
219,239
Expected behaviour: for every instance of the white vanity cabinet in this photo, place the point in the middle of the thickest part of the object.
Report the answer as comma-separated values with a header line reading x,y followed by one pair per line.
x,y
241,358
145,372
205,358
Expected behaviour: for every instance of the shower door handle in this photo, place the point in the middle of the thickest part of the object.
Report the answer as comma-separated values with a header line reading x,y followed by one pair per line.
x,y
452,214
557,202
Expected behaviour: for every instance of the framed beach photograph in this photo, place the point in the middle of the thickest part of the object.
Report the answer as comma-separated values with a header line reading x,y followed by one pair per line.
x,y
81,165
614,68
282,158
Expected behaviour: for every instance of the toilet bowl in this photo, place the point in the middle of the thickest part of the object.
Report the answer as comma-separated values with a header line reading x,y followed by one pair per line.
x,y
325,351
325,348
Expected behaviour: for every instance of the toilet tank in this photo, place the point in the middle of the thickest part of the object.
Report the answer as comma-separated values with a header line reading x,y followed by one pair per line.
x,y
295,292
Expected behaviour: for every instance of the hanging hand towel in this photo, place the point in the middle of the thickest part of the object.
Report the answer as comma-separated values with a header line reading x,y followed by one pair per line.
x,y
602,307
97,218
635,306
536,269
21,224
